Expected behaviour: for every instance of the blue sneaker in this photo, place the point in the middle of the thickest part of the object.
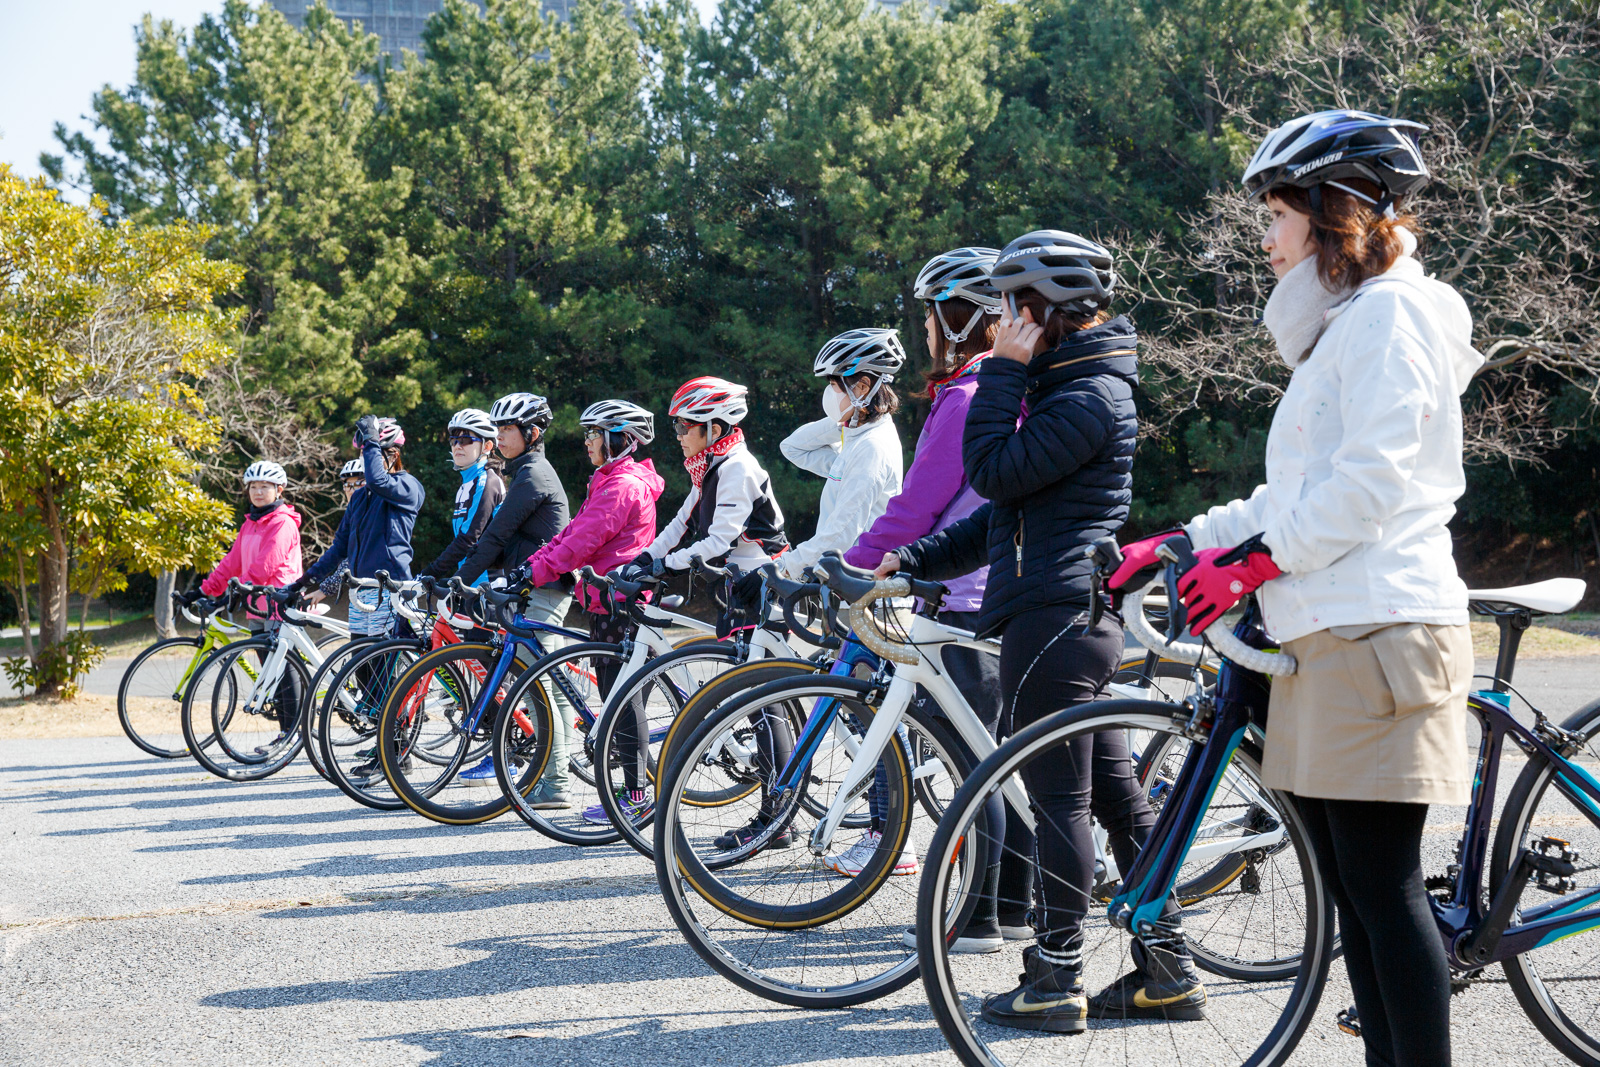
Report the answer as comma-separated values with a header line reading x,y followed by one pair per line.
x,y
481,771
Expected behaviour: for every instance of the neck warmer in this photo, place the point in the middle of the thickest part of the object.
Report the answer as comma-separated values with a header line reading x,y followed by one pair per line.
x,y
696,464
1297,310
967,370
256,513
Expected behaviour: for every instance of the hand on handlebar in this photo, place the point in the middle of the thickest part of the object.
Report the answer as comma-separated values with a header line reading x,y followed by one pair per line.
x,y
887,566
1222,577
1138,556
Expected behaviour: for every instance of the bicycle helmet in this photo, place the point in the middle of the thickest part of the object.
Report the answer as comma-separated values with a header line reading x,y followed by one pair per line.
x,y
961,274
870,351
1323,148
706,398
1071,272
390,435
474,421
620,416
264,470
354,468
522,409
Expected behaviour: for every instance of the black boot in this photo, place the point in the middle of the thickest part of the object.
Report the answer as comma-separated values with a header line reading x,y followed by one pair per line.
x,y
1162,985
1049,996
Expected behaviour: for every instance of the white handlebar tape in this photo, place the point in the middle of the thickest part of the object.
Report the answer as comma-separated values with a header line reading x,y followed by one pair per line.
x,y
1228,646
865,626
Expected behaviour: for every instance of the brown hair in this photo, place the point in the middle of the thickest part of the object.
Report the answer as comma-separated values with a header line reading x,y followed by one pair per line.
x,y
948,357
393,462
1061,322
1354,242
886,402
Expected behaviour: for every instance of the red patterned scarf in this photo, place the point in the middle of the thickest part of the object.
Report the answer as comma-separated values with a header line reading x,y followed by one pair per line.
x,y
696,464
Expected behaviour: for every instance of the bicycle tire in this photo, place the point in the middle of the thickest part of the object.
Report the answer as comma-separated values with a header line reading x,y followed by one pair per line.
x,y
130,686
979,1044
371,792
218,705
319,688
1535,992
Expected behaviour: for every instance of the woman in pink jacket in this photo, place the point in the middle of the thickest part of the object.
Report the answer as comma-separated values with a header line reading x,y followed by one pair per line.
x,y
266,552
616,522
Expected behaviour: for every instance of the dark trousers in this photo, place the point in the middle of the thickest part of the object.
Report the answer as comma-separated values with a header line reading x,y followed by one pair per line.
x,y
1370,853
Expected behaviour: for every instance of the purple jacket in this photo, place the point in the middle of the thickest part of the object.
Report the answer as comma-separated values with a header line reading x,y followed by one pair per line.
x,y
935,492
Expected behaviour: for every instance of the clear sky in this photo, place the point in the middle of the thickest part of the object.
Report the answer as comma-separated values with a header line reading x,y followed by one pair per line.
x,y
56,54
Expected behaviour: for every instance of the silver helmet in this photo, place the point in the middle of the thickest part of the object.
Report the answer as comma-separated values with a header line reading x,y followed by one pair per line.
x,y
620,416
473,420
871,351
264,470
1069,271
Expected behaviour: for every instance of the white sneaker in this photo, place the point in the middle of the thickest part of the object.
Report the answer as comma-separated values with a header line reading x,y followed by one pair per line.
x,y
853,860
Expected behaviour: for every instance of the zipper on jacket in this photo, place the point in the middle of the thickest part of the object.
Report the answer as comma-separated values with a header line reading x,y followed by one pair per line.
x,y
1017,540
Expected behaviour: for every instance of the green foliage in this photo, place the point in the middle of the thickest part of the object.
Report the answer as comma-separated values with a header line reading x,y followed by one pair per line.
x,y
58,668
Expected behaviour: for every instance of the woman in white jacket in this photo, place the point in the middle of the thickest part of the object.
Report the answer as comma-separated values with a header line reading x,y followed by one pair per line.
x,y
854,446
1347,541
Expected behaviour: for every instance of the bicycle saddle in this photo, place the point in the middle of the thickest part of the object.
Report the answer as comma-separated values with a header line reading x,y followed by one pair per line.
x,y
1551,597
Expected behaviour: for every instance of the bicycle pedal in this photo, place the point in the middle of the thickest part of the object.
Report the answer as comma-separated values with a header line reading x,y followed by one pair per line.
x,y
1349,1022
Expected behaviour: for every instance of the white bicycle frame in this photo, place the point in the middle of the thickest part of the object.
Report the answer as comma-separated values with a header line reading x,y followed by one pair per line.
x,y
289,636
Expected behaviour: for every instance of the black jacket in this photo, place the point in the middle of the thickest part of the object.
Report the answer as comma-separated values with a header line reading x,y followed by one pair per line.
x,y
1061,479
534,511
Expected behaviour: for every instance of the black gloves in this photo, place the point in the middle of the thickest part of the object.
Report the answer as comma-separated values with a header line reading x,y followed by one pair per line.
x,y
190,597
518,576
366,431
747,587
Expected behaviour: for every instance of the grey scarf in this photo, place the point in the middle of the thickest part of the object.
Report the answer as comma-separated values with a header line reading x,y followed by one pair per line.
x,y
1297,311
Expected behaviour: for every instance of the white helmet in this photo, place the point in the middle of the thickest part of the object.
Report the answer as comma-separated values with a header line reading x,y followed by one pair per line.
x,y
264,470
474,421
620,416
523,409
706,398
871,351
959,274
354,468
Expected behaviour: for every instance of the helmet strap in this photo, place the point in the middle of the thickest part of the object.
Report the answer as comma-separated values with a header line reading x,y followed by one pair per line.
x,y
949,334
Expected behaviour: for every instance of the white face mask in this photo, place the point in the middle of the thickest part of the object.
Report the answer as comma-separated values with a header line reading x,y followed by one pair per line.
x,y
834,405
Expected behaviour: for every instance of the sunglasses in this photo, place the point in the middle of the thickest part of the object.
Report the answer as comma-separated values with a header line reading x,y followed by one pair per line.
x,y
354,483
591,434
681,427
465,438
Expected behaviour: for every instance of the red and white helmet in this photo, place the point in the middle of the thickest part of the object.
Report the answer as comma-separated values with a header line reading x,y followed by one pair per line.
x,y
707,398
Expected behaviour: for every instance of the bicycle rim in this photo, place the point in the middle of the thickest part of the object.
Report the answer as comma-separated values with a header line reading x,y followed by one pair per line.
x,y
150,696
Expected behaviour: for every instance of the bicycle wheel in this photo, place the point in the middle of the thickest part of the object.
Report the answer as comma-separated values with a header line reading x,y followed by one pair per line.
x,y
256,720
567,807
1254,1022
429,731
664,699
347,718
150,696
767,915
1556,983
320,680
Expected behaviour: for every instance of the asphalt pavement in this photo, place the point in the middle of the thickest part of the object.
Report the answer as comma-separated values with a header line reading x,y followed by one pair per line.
x,y
150,913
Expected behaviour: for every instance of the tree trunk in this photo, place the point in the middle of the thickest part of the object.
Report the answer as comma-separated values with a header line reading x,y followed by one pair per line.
x,y
166,625
53,577
22,609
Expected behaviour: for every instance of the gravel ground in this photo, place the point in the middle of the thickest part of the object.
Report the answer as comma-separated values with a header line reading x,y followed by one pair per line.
x,y
150,913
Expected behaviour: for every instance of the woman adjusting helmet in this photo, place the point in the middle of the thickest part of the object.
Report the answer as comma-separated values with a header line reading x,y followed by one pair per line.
x,y
1069,272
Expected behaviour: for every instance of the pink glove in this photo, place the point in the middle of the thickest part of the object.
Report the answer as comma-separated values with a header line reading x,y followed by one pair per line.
x,y
1137,556
1222,578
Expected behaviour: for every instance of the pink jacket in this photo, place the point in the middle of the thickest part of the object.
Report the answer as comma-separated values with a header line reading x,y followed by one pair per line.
x,y
616,522
266,552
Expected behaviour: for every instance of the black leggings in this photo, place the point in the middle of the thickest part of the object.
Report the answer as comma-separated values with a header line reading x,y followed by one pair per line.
x,y
1370,853
1046,664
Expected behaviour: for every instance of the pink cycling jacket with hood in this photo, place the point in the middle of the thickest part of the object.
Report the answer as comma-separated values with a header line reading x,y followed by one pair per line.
x,y
266,552
616,522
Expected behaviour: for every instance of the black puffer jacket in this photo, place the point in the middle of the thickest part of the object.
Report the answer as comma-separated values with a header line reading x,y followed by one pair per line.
x,y
533,511
1061,479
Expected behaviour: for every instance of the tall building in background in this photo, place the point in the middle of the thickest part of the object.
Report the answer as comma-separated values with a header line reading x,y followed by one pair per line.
x,y
398,23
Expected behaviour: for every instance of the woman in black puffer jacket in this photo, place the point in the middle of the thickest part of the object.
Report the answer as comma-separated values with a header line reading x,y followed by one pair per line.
x,y
1056,480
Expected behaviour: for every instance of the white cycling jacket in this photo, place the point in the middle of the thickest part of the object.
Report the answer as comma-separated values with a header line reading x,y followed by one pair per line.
x,y
1364,465
744,495
863,467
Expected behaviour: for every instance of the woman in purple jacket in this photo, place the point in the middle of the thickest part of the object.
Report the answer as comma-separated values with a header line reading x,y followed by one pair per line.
x,y
960,328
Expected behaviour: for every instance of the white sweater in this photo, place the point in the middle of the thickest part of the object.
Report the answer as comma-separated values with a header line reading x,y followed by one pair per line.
x,y
1364,465
863,467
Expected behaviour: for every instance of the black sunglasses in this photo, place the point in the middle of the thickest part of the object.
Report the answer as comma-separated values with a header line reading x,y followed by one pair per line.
x,y
465,438
681,427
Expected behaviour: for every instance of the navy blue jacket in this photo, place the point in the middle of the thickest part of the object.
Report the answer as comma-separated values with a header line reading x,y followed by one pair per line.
x,y
375,533
1060,480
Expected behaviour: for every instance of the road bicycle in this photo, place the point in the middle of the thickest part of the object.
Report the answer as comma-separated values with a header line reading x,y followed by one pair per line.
x,y
241,720
1537,896
769,916
150,694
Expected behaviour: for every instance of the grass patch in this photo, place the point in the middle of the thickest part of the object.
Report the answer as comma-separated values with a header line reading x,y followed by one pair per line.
x,y
1538,642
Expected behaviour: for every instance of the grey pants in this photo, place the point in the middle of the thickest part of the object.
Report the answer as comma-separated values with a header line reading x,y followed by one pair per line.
x,y
550,606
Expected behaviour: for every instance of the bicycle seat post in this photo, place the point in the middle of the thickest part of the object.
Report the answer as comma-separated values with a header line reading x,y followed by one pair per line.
x,y
1512,624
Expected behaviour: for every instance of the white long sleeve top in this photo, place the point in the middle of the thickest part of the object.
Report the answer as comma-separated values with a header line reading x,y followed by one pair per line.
x,y
863,468
1364,465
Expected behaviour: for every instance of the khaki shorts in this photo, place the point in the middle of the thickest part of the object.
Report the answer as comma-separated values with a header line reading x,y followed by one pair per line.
x,y
1376,714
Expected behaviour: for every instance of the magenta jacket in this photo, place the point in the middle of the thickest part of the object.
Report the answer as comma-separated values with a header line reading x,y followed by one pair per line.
x,y
616,522
266,552
935,492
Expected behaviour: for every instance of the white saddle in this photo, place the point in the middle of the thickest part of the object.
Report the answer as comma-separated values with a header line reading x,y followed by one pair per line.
x,y
1553,597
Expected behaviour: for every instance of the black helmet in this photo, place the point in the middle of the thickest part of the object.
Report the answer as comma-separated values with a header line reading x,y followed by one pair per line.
x,y
1331,146
1069,271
